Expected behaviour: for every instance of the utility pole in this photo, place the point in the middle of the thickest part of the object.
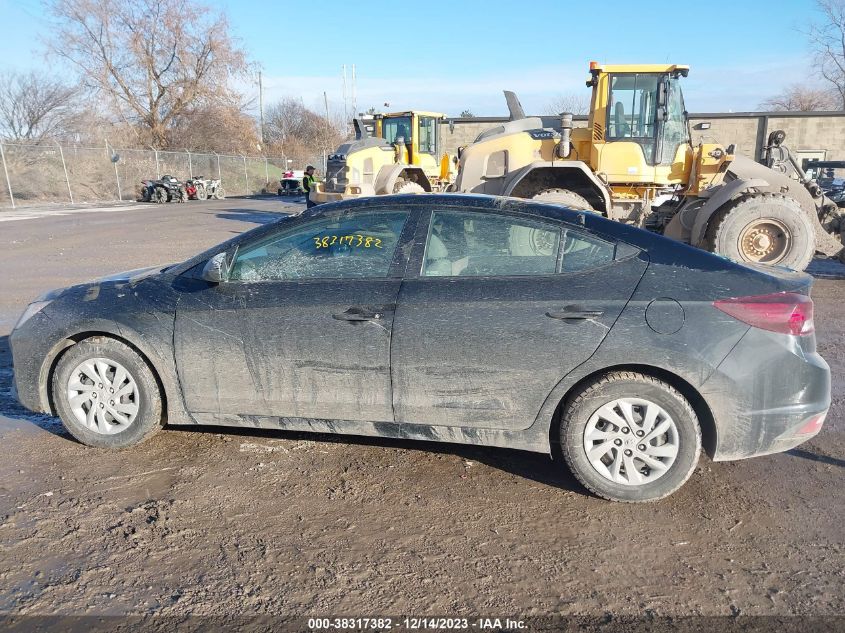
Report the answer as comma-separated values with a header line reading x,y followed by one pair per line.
x,y
261,107
345,96
326,142
354,100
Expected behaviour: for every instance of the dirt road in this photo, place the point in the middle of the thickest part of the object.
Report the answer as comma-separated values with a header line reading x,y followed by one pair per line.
x,y
203,522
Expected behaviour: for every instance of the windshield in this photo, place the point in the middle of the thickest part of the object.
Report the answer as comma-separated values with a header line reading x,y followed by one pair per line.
x,y
396,127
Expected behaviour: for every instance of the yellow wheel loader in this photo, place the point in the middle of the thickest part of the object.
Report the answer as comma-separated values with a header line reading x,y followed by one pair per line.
x,y
635,163
403,156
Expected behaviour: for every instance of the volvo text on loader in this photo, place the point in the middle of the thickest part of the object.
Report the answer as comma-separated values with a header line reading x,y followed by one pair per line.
x,y
635,162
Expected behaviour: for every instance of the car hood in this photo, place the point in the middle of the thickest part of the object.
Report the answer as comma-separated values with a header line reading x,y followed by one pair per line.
x,y
135,275
131,277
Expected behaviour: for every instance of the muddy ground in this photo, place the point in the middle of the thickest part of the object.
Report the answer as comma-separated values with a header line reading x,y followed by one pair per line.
x,y
250,522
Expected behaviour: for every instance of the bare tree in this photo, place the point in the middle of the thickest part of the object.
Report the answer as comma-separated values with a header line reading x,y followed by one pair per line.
x,y
152,59
801,98
570,102
34,107
827,39
298,131
216,127
467,114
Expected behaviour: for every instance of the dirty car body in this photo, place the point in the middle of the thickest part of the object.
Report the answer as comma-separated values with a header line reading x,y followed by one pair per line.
x,y
452,318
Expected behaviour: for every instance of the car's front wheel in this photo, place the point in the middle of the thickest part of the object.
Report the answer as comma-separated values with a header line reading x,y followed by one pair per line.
x,y
630,437
106,394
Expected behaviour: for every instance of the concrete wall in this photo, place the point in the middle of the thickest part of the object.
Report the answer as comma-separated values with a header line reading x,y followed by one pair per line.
x,y
806,132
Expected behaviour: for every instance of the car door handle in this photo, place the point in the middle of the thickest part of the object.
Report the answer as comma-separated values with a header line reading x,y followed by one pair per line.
x,y
356,313
575,314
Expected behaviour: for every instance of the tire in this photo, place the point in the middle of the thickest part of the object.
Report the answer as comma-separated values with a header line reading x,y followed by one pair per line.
x,y
201,195
144,396
584,414
219,194
406,186
563,197
160,195
763,228
527,241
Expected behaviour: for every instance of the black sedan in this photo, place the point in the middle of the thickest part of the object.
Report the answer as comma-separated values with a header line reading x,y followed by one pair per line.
x,y
465,319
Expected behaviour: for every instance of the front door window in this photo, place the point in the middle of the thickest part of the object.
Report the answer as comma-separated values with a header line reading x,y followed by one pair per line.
x,y
428,135
632,110
356,246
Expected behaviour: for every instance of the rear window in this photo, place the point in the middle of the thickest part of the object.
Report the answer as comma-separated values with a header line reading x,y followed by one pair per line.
x,y
584,252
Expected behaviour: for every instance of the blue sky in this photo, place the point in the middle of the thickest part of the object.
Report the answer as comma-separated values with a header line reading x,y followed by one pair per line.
x,y
451,56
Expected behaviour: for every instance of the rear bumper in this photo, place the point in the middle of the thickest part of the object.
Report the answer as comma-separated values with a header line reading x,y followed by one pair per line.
x,y
768,395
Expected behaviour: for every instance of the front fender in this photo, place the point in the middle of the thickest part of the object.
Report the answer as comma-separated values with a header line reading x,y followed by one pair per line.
x,y
389,174
155,352
513,180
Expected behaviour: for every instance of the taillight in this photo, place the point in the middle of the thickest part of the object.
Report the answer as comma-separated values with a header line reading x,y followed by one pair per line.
x,y
783,312
813,424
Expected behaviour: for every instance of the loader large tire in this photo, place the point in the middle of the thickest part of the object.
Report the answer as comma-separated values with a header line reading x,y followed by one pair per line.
x,y
563,197
763,228
407,186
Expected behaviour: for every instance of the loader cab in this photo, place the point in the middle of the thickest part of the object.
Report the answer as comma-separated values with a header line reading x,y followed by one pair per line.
x,y
639,124
419,133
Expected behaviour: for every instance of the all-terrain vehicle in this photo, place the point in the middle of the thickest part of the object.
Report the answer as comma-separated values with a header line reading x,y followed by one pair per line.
x,y
207,189
291,183
165,189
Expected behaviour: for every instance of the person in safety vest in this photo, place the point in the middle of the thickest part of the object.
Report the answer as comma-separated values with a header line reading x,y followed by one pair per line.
x,y
307,185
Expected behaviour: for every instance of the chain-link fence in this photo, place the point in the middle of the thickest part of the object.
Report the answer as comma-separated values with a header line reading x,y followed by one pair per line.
x,y
44,173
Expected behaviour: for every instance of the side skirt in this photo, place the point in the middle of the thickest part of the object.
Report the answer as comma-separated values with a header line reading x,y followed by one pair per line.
x,y
526,440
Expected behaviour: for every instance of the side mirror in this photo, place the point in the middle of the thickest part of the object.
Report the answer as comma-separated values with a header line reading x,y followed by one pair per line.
x,y
215,270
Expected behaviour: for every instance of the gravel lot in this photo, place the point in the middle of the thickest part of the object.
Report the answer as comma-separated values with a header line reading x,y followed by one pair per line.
x,y
250,522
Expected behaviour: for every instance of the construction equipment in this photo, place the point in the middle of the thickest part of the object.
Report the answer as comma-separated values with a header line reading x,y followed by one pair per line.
x,y
635,162
402,156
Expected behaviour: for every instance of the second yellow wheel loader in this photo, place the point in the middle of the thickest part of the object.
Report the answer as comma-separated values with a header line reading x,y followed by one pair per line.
x,y
635,163
403,156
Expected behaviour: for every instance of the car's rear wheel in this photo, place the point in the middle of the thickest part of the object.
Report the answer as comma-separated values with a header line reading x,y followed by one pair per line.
x,y
630,437
106,394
